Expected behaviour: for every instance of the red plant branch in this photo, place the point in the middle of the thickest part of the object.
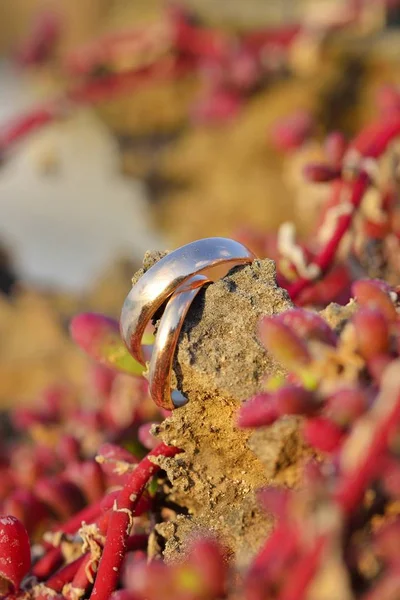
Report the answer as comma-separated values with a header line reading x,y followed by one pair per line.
x,y
303,571
353,484
184,47
88,93
89,514
120,523
381,136
48,564
69,573
66,574
21,126
82,579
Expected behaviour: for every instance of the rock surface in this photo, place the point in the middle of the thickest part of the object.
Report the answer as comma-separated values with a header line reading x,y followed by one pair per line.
x,y
218,365
219,347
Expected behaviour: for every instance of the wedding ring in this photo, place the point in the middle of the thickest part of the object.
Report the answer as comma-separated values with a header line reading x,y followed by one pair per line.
x,y
175,280
168,331
163,278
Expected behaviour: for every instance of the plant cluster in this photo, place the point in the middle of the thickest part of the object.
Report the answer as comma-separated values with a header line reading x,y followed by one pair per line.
x,y
357,232
72,471
229,66
346,387
90,518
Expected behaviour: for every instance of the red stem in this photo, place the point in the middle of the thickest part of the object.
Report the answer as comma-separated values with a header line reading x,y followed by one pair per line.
x,y
184,38
144,505
48,564
120,523
89,514
200,42
381,136
109,86
327,255
283,541
303,571
25,124
66,574
138,541
53,558
352,487
83,578
88,93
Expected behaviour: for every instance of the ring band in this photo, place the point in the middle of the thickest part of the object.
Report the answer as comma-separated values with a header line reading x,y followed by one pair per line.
x,y
166,340
175,280
163,278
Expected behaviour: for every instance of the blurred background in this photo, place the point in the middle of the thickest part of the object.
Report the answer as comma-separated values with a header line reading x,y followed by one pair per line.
x,y
128,125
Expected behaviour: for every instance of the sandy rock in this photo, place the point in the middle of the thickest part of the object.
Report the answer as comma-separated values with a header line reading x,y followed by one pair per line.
x,y
219,348
282,450
337,315
219,364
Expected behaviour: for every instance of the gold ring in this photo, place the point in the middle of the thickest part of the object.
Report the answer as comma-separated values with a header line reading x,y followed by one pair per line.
x,y
175,280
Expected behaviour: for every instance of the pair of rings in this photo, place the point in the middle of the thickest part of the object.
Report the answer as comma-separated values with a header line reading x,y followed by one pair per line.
x,y
176,279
